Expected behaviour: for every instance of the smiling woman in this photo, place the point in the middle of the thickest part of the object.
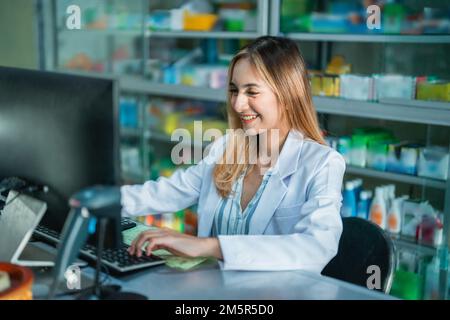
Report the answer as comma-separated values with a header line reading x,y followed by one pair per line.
x,y
280,214
269,90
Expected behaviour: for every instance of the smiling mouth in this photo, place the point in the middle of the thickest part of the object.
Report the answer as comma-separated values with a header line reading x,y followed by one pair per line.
x,y
248,117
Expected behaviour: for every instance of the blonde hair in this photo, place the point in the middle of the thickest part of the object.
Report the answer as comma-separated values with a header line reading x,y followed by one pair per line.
x,y
279,62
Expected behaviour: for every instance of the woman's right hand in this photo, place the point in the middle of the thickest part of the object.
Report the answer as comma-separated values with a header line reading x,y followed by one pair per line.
x,y
177,243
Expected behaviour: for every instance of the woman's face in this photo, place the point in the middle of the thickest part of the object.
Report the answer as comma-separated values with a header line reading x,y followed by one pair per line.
x,y
253,100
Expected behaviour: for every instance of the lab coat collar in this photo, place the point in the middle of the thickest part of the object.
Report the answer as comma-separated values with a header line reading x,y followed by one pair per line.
x,y
288,158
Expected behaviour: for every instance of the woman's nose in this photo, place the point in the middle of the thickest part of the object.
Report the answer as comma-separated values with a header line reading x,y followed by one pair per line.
x,y
240,103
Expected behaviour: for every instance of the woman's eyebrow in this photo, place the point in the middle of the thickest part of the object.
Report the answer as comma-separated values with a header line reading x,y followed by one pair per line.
x,y
245,85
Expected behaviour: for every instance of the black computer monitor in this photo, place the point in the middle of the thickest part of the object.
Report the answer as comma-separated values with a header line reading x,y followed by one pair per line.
x,y
58,130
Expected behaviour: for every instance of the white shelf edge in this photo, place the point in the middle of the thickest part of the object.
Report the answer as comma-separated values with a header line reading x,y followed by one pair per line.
x,y
375,110
432,183
102,32
384,38
202,34
139,85
410,244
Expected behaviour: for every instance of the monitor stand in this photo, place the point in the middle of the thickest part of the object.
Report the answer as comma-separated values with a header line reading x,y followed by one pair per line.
x,y
109,292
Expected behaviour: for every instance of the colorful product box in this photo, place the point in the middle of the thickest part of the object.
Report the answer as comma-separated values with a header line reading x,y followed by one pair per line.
x,y
377,154
325,85
438,91
403,158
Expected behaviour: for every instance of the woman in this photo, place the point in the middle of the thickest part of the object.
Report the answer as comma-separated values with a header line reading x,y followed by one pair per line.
x,y
262,215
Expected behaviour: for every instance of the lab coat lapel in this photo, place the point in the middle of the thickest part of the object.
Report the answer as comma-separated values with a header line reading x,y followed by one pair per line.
x,y
269,201
206,219
276,188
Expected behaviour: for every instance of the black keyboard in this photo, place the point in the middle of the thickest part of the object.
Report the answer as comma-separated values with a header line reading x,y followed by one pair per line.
x,y
117,260
126,224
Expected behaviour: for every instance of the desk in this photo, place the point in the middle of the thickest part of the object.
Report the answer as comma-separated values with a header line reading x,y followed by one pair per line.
x,y
208,282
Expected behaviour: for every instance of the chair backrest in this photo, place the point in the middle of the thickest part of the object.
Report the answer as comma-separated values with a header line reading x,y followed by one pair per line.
x,y
363,244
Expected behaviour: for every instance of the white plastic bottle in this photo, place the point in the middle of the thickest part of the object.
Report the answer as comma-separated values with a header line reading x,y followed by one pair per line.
x,y
349,202
358,184
394,217
378,208
364,204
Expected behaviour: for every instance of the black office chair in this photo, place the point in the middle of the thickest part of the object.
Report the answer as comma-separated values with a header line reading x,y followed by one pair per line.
x,y
363,244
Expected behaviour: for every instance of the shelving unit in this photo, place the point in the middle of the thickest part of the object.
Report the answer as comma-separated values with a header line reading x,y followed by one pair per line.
x,y
405,111
202,35
428,39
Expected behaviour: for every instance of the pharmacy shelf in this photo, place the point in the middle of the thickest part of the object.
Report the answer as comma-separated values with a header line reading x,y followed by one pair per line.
x,y
140,85
411,245
417,103
424,112
420,181
101,32
202,34
162,34
415,111
130,132
419,113
438,39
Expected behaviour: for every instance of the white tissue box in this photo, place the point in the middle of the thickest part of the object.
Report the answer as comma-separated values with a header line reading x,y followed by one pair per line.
x,y
433,162
356,87
394,86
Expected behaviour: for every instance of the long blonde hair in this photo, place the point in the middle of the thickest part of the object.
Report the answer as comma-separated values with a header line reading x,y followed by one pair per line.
x,y
279,62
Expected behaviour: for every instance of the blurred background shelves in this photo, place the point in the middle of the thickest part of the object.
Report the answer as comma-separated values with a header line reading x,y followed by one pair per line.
x,y
202,34
429,39
100,32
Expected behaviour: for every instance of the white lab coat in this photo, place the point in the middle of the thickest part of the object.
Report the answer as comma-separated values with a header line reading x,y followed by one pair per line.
x,y
296,225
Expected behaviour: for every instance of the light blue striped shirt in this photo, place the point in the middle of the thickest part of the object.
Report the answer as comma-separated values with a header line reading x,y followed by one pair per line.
x,y
229,218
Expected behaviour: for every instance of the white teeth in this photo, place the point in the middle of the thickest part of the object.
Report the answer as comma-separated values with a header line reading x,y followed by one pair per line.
x,y
248,117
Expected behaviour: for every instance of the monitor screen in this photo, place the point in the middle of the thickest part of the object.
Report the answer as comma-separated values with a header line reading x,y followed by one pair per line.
x,y
58,130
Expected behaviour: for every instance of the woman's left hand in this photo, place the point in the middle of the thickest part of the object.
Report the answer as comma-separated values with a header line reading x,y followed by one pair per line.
x,y
175,242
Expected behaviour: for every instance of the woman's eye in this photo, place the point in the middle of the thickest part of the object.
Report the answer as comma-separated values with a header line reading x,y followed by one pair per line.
x,y
233,91
252,93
